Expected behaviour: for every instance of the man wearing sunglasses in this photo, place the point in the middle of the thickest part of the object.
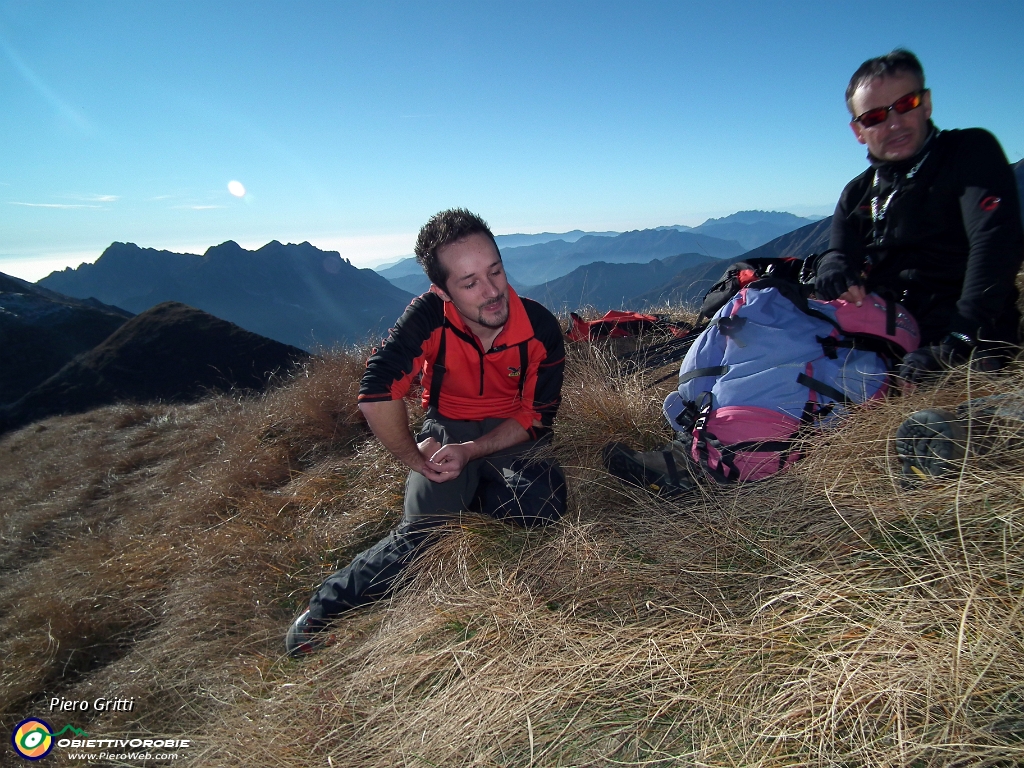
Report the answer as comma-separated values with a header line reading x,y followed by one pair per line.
x,y
934,221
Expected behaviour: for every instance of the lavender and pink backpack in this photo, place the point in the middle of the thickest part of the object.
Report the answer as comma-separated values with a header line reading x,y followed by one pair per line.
x,y
772,365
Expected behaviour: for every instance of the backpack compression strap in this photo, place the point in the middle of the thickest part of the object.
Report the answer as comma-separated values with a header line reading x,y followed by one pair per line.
x,y
439,370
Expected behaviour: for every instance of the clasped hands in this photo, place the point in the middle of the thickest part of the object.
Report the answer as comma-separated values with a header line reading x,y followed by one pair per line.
x,y
443,462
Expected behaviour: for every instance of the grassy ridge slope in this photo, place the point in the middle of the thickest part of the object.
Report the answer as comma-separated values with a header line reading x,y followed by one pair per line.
x,y
828,616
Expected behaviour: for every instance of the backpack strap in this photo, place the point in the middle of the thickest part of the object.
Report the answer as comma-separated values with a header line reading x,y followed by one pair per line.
x,y
703,438
439,370
524,362
823,389
696,373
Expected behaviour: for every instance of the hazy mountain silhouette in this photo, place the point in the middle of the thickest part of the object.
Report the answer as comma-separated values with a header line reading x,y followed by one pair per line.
x,y
752,228
689,285
686,287
531,260
613,286
296,294
407,265
170,352
801,243
41,330
532,265
536,264
518,240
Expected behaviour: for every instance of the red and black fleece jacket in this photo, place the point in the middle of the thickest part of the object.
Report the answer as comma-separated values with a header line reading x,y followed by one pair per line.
x,y
477,384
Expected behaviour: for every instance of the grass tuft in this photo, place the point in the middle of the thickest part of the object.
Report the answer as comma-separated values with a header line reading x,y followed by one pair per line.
x,y
831,615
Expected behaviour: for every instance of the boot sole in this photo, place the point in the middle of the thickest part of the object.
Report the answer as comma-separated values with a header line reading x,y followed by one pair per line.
x,y
931,443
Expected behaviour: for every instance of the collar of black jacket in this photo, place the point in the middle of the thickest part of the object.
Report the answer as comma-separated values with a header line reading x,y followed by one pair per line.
x,y
902,166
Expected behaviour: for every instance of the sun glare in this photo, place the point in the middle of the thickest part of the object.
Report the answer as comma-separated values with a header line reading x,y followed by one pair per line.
x,y
236,188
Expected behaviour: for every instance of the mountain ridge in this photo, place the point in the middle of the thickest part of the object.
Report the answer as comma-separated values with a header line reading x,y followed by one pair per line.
x,y
293,293
41,330
554,255
170,352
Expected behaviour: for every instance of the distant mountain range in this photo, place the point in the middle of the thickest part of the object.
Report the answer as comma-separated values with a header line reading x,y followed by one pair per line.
x,y
295,294
534,259
407,265
752,228
613,286
534,264
689,286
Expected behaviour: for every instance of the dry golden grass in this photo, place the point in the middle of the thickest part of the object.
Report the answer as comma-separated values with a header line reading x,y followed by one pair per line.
x,y
829,616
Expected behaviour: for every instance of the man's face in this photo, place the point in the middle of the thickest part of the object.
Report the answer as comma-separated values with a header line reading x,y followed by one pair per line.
x,y
477,285
898,136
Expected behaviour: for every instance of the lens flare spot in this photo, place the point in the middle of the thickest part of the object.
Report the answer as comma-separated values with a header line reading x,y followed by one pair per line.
x,y
236,188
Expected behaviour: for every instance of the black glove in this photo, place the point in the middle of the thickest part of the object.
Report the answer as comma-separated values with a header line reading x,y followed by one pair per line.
x,y
956,348
920,365
835,277
923,363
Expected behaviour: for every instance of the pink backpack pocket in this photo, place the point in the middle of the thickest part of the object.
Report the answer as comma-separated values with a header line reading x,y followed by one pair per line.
x,y
880,319
738,443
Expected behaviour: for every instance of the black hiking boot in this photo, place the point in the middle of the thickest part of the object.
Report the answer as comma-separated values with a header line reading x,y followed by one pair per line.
x,y
930,443
665,472
305,635
933,441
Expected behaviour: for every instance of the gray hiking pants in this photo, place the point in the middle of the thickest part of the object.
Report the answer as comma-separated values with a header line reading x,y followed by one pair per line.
x,y
512,485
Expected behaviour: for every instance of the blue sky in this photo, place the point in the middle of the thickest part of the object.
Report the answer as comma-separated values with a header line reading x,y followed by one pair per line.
x,y
349,124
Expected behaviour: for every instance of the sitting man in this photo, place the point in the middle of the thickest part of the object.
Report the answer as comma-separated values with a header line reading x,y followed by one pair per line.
x,y
491,365
935,221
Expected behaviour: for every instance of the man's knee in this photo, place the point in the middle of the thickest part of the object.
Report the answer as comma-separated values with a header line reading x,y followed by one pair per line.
x,y
528,493
430,505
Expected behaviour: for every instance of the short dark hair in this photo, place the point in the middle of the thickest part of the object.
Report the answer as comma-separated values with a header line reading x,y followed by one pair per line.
x,y
443,229
898,62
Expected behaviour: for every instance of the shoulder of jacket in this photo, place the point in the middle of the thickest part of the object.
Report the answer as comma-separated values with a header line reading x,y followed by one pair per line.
x,y
861,180
967,139
427,304
856,188
540,317
423,314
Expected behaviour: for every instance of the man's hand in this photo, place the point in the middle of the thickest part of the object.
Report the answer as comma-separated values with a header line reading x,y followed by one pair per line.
x,y
450,460
855,295
389,420
925,362
433,469
837,280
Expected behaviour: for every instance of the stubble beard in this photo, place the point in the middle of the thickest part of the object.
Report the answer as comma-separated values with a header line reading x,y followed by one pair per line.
x,y
498,320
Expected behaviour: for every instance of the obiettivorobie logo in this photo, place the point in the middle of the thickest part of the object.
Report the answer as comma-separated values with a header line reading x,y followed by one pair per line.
x,y
33,738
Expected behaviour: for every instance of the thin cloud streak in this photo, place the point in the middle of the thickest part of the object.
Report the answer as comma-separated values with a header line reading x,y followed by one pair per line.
x,y
52,205
47,93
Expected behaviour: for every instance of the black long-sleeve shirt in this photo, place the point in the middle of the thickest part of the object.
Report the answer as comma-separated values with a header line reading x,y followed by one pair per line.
x,y
950,243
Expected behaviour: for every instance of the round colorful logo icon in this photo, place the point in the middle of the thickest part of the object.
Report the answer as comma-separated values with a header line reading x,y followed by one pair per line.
x,y
32,739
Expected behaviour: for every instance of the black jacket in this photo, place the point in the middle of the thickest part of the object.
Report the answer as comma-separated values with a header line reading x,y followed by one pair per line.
x,y
950,243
